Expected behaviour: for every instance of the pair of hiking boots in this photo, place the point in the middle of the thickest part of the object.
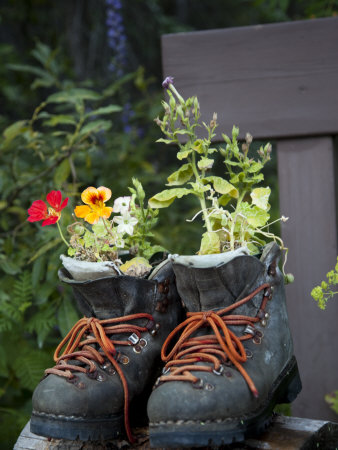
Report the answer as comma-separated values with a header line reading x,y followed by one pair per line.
x,y
219,323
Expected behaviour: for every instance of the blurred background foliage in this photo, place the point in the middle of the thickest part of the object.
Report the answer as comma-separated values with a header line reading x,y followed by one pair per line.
x,y
80,85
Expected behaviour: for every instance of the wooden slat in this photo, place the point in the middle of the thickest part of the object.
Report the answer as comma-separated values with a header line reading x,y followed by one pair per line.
x,y
276,80
285,433
307,197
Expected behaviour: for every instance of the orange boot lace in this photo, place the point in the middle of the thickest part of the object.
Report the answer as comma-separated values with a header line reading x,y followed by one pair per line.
x,y
223,346
79,347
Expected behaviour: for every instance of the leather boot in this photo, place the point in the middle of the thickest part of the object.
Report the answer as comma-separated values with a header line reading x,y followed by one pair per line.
x,y
233,359
109,357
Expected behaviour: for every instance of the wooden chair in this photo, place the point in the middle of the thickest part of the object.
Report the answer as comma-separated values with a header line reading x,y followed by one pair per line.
x,y
280,82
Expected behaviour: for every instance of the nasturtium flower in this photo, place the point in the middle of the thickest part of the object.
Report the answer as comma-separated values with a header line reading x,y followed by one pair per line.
x,y
125,223
49,214
95,206
122,205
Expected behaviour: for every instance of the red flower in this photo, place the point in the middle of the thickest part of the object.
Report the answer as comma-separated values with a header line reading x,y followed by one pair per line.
x,y
49,214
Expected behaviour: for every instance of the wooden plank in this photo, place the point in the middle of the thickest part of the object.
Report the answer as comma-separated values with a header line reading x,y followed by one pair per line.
x,y
277,80
285,433
307,197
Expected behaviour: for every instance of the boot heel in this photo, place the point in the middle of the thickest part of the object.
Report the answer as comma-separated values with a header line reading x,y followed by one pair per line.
x,y
294,386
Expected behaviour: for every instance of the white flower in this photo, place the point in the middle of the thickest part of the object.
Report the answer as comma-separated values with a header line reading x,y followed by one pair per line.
x,y
125,223
122,205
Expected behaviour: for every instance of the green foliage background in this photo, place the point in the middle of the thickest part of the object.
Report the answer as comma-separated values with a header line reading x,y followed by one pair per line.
x,y
61,124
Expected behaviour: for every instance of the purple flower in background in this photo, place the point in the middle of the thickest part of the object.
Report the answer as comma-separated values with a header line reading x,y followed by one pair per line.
x,y
167,82
116,37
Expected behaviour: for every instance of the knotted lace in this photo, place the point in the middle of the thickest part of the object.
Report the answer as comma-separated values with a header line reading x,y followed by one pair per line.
x,y
81,341
223,346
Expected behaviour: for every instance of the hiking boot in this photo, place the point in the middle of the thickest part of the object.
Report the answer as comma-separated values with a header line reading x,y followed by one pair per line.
x,y
108,359
233,358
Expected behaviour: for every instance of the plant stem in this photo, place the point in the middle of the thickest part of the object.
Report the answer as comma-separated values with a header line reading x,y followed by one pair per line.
x,y
61,234
202,197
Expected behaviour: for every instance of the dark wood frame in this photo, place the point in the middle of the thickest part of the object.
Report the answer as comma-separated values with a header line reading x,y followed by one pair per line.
x,y
280,82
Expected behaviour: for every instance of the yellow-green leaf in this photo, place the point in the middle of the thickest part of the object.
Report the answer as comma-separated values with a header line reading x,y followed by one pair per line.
x,y
61,173
165,198
222,186
205,163
210,243
260,198
181,176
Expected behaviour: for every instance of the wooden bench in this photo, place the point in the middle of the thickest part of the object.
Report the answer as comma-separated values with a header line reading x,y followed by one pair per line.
x,y
280,82
285,433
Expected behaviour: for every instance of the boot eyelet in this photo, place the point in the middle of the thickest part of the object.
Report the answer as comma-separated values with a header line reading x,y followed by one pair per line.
x,y
259,334
100,377
263,322
165,370
199,384
209,387
249,353
257,340
143,342
123,359
137,348
92,375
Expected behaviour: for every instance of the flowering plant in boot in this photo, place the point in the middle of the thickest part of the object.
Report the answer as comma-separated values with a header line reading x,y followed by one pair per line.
x,y
245,221
96,235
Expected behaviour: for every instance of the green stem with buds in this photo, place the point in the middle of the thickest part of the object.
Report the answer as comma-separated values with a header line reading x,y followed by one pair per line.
x,y
61,234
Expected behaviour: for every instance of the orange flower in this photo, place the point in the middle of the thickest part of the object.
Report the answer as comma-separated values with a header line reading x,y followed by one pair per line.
x,y
94,207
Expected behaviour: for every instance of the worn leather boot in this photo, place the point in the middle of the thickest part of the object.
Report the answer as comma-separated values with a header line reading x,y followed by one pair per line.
x,y
109,357
233,359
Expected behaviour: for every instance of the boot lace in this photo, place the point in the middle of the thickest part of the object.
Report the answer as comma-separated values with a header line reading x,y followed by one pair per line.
x,y
223,346
80,344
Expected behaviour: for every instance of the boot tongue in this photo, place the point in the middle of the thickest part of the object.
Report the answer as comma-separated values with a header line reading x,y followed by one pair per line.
x,y
216,281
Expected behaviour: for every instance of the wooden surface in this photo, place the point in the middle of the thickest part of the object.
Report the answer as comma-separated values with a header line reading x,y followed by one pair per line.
x,y
285,433
276,80
307,196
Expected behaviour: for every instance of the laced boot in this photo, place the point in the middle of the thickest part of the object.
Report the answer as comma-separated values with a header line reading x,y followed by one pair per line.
x,y
106,362
233,357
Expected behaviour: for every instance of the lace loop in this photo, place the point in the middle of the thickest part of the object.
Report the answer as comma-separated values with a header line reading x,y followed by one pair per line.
x,y
223,346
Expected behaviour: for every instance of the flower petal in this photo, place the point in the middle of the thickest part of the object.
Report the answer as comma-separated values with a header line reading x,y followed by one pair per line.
x,y
90,195
82,211
106,212
54,199
92,218
50,221
38,211
104,193
64,203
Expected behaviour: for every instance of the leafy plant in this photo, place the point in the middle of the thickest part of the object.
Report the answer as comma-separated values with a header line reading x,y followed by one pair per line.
x,y
324,291
245,221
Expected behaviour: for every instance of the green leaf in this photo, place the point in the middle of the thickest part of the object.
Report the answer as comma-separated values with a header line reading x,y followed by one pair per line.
x,y
8,266
256,217
13,131
67,317
104,110
61,173
99,229
183,154
73,96
205,163
61,119
222,186
95,126
210,243
260,197
29,366
166,141
181,176
255,167
166,197
45,248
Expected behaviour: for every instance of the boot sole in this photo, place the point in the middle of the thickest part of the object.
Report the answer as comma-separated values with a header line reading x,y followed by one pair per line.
x,y
191,433
72,428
